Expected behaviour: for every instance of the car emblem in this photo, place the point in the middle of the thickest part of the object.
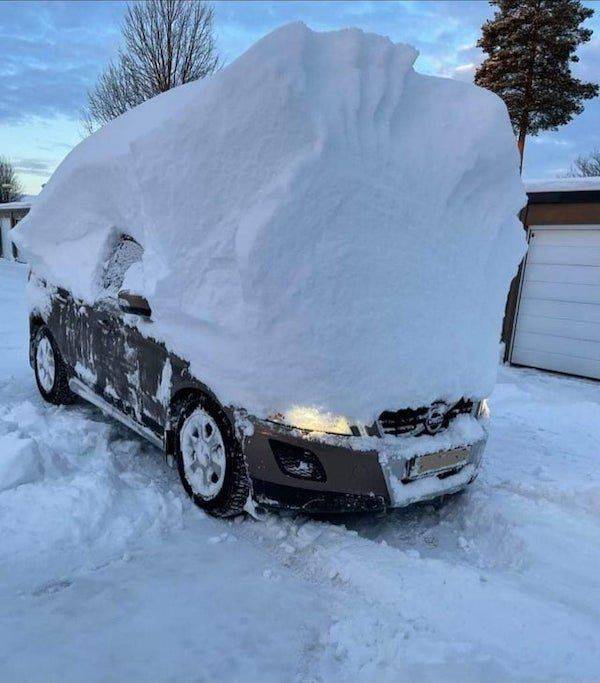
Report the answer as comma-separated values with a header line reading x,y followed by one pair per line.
x,y
436,415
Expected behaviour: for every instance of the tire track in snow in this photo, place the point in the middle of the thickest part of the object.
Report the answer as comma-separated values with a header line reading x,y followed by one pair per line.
x,y
397,616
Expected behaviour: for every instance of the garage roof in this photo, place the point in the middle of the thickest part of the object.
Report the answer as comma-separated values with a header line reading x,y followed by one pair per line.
x,y
563,190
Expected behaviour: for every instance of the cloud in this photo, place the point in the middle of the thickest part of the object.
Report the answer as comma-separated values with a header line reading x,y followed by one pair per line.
x,y
588,67
51,54
466,61
35,167
436,29
548,140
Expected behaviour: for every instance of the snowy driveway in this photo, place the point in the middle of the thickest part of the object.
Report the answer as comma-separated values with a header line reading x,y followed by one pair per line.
x,y
107,573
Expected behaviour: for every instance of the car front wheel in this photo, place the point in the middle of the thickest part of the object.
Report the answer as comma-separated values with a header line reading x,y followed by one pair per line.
x,y
209,458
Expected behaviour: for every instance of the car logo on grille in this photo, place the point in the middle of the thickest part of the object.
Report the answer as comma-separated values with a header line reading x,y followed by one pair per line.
x,y
435,418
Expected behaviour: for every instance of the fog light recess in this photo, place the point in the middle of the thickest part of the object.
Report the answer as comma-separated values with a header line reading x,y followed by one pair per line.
x,y
297,462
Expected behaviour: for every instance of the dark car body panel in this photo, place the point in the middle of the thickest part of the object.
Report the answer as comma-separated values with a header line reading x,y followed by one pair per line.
x,y
354,472
102,346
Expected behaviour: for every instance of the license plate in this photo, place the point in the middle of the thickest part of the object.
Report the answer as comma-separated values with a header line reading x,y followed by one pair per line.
x,y
438,462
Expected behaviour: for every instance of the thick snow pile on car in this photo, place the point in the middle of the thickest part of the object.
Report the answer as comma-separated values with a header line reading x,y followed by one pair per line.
x,y
321,225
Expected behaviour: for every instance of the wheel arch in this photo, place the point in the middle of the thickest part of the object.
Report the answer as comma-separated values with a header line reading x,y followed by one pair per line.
x,y
35,323
237,489
178,398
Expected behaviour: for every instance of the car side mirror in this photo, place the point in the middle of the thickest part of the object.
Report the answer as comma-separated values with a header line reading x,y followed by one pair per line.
x,y
135,304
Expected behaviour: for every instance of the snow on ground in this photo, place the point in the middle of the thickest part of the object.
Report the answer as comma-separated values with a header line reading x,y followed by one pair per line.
x,y
107,573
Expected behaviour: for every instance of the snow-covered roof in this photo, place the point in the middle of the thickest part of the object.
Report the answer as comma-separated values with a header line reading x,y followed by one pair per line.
x,y
24,203
564,185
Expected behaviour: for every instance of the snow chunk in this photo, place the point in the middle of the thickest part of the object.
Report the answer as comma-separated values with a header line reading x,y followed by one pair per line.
x,y
163,393
335,230
20,461
85,373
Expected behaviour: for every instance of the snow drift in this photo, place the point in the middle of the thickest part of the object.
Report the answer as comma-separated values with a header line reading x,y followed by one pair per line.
x,y
321,225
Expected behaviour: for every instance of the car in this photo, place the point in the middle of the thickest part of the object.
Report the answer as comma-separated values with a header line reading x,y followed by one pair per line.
x,y
105,354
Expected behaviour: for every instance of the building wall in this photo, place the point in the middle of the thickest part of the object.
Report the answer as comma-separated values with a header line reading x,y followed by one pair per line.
x,y
5,244
584,213
8,219
549,208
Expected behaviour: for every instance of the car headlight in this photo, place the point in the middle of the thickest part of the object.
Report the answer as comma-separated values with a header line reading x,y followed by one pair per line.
x,y
313,420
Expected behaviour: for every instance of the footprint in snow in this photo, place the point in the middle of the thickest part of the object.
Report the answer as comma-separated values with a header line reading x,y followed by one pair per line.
x,y
52,587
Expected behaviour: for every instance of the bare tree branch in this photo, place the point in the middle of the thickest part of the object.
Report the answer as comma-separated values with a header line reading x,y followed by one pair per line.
x,y
586,166
166,43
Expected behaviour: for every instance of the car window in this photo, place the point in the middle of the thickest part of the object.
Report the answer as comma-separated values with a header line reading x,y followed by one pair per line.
x,y
126,252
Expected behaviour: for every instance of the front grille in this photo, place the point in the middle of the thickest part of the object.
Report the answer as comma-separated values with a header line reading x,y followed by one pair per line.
x,y
414,421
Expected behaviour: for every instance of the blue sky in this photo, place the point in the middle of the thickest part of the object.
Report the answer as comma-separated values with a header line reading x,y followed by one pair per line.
x,y
52,52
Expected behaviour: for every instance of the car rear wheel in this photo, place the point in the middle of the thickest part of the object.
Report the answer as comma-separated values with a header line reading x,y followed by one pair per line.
x,y
209,458
51,373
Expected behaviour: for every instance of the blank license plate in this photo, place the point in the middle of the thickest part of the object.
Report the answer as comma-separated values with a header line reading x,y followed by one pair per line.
x,y
434,462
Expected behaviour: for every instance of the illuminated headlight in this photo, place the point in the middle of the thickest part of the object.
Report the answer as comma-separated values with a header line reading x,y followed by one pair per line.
x,y
483,410
313,420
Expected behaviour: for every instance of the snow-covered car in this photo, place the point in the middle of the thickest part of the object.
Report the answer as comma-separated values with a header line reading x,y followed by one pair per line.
x,y
290,275
315,463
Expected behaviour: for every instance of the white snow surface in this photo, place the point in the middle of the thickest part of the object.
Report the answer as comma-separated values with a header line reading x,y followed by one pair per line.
x,y
563,184
108,573
322,226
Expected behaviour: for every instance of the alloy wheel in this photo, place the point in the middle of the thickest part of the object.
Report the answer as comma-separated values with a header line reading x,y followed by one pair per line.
x,y
45,363
203,452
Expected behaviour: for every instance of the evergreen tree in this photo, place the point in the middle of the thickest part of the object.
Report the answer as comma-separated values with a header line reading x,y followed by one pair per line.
x,y
530,46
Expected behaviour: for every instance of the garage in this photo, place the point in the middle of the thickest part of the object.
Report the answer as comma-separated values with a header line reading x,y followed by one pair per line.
x,y
10,214
556,319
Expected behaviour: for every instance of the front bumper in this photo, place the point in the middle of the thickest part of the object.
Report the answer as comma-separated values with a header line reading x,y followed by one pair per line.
x,y
359,473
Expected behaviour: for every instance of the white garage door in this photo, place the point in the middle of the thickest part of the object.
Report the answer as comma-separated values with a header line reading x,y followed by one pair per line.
x,y
558,320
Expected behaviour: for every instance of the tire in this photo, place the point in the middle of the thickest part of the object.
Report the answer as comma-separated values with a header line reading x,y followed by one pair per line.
x,y
51,374
209,457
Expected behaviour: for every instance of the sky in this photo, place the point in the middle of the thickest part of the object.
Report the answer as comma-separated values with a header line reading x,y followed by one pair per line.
x,y
53,52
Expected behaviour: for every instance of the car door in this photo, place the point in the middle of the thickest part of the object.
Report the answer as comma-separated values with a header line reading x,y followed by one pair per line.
x,y
66,324
142,370
104,359
152,369
108,335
